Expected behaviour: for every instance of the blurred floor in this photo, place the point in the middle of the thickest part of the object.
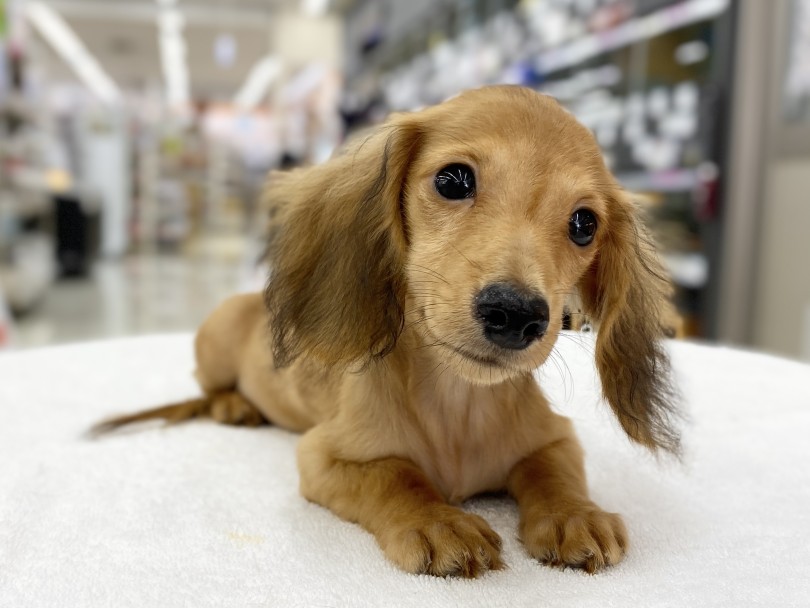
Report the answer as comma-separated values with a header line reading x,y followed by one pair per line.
x,y
143,294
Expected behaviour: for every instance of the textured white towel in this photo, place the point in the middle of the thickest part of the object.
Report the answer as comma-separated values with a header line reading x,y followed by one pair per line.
x,y
203,514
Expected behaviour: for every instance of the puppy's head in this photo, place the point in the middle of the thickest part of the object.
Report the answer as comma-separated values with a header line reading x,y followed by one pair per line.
x,y
471,223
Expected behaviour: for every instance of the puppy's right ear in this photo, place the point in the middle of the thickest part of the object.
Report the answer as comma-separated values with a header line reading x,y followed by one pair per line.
x,y
336,283
625,292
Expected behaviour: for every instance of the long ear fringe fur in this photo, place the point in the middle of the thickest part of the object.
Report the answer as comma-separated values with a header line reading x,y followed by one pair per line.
x,y
627,292
336,283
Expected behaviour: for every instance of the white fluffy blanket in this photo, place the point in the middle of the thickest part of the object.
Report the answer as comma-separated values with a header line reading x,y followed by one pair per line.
x,y
202,514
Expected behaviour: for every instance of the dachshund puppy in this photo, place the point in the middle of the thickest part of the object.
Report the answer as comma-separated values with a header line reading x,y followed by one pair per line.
x,y
417,280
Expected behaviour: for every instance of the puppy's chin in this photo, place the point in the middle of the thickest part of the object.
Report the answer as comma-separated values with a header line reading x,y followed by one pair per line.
x,y
479,372
487,370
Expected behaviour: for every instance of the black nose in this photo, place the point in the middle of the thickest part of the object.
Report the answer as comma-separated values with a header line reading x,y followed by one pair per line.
x,y
511,318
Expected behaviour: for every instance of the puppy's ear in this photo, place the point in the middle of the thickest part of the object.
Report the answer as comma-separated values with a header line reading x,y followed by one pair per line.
x,y
625,291
336,283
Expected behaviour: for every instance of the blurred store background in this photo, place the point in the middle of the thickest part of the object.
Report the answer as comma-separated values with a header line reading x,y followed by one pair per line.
x,y
135,136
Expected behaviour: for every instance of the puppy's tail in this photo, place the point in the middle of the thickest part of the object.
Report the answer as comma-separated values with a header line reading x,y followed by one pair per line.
x,y
227,407
172,414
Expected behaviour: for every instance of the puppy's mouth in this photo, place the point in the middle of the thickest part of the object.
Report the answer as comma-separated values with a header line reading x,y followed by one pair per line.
x,y
485,360
510,362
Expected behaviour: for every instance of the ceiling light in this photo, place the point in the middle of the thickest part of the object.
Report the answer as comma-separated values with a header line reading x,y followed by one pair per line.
x,y
225,50
315,8
171,24
258,82
65,41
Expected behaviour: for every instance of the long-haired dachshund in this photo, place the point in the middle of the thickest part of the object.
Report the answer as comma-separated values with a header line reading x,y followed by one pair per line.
x,y
417,280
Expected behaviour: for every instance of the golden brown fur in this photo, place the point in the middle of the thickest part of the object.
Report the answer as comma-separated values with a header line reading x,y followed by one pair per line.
x,y
376,353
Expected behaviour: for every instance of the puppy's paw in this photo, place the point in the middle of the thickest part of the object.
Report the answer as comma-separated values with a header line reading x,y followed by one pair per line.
x,y
582,536
443,541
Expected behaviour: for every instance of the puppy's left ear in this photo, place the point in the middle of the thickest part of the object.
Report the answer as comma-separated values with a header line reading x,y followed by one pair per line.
x,y
626,292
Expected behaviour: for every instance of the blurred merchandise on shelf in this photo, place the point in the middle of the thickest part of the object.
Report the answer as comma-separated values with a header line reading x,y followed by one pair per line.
x,y
6,324
27,219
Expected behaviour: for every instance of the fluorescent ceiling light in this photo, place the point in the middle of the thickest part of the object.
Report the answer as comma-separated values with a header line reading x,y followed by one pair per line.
x,y
315,8
173,53
258,82
65,41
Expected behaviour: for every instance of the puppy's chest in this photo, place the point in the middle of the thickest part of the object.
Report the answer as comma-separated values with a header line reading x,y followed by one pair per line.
x,y
469,444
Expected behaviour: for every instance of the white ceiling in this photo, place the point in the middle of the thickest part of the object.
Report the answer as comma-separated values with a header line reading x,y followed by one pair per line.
x,y
123,36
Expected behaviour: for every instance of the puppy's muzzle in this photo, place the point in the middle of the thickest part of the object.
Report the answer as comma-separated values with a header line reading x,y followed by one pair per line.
x,y
511,318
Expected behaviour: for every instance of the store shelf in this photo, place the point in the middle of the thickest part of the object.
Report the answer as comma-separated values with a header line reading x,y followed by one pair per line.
x,y
631,31
689,270
676,180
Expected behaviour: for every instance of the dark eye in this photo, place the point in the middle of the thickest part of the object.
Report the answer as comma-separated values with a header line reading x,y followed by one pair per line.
x,y
456,182
582,227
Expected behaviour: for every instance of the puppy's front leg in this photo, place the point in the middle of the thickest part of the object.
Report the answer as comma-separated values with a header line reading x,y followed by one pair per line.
x,y
559,524
393,499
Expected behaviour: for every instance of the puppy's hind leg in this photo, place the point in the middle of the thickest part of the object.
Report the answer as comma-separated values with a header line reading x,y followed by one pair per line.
x,y
233,408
